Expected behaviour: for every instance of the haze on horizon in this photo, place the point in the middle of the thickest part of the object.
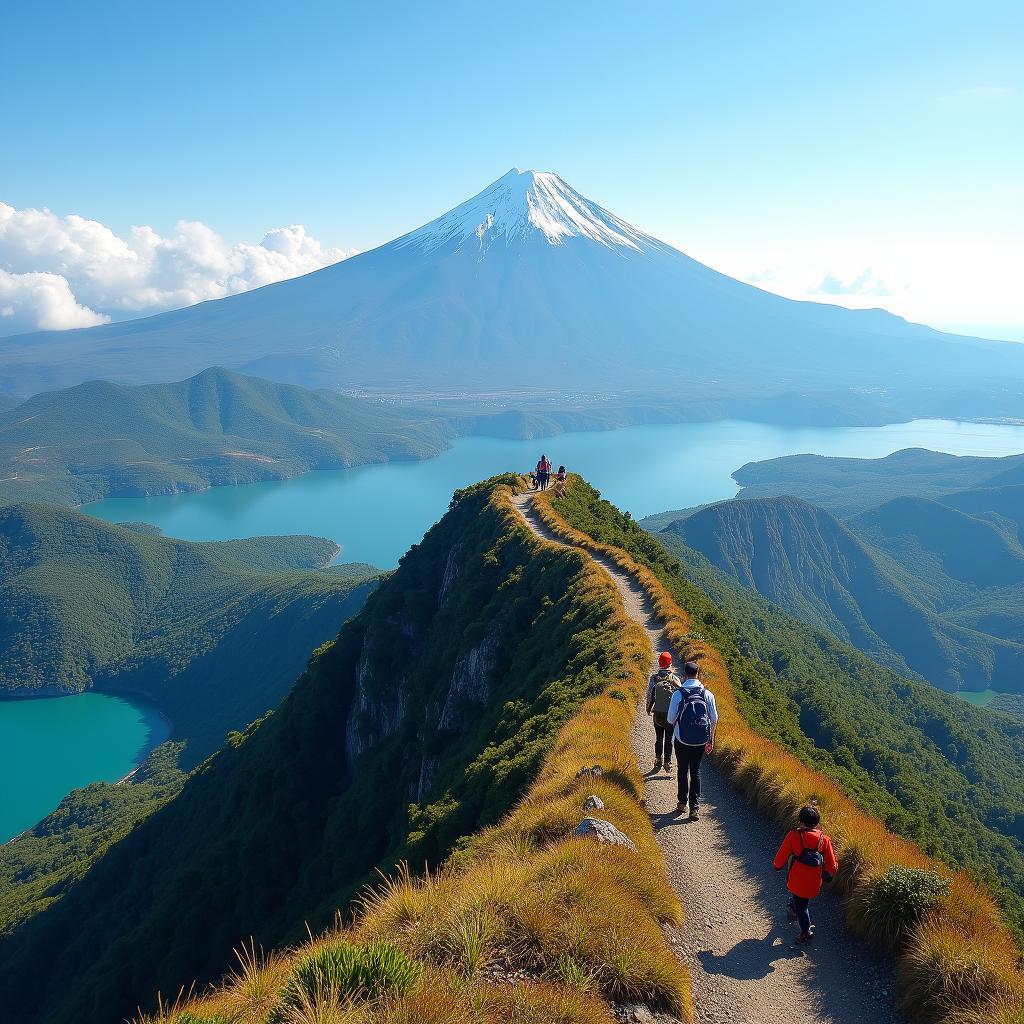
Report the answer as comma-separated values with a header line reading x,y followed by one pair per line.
x,y
867,158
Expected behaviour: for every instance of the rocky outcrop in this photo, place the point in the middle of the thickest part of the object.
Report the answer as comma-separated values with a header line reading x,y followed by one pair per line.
x,y
471,679
593,803
377,709
604,832
451,574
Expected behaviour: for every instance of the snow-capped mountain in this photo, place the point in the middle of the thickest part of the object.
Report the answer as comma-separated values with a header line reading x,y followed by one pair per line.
x,y
530,284
523,204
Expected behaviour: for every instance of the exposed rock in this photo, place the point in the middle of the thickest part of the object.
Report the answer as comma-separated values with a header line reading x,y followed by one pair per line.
x,y
604,832
375,714
451,572
593,803
596,770
471,679
428,769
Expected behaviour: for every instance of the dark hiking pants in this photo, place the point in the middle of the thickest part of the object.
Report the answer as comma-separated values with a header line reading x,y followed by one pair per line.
x,y
662,738
802,906
689,759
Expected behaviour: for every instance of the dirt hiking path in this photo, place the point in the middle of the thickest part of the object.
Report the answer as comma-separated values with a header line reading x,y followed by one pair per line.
x,y
736,940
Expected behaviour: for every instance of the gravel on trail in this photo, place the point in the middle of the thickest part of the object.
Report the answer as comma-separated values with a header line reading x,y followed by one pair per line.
x,y
736,941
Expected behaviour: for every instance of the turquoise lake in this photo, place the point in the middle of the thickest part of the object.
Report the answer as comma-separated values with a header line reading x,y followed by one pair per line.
x,y
376,512
51,745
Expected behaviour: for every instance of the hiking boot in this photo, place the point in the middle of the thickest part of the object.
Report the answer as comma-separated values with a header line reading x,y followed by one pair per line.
x,y
657,766
694,812
680,808
805,938
668,766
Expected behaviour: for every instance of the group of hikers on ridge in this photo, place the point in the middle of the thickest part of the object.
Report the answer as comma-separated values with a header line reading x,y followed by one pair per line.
x,y
541,477
685,720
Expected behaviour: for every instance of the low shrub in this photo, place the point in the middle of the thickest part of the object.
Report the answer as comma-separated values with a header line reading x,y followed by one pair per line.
x,y
888,908
342,970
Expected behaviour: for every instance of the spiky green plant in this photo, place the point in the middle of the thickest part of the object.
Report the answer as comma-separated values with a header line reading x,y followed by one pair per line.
x,y
349,971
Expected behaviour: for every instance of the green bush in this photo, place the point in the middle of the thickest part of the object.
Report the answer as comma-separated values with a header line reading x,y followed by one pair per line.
x,y
893,903
349,971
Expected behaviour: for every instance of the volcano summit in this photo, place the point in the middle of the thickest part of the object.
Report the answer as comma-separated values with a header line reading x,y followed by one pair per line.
x,y
531,285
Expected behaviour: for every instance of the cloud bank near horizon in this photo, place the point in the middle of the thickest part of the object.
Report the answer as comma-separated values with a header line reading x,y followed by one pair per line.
x,y
59,272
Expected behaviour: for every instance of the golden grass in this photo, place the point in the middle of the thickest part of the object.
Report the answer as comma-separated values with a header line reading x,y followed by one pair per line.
x,y
569,923
961,965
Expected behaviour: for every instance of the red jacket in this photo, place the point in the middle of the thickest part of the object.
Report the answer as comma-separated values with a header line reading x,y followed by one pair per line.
x,y
803,880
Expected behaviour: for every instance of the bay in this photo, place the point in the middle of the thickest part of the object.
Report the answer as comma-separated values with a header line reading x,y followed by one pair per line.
x,y
376,512
51,745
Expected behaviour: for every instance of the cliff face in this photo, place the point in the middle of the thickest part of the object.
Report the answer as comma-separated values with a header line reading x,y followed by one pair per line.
x,y
443,694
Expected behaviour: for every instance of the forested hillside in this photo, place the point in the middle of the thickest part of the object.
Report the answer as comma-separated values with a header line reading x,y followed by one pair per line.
x,y
848,486
934,769
101,438
422,722
913,583
214,634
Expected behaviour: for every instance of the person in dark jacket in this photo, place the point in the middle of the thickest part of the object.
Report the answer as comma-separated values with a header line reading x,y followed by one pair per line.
x,y
808,852
660,688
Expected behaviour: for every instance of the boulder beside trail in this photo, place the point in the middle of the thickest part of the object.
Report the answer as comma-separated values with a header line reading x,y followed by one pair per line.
x,y
604,832
593,803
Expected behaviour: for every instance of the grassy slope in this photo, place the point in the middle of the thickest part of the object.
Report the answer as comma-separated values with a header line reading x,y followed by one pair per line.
x,y
958,964
890,582
218,427
454,682
212,633
944,774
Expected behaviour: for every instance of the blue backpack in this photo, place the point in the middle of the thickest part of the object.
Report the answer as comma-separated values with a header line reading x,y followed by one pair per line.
x,y
694,722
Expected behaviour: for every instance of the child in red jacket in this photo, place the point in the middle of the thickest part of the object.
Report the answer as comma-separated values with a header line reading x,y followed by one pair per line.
x,y
808,851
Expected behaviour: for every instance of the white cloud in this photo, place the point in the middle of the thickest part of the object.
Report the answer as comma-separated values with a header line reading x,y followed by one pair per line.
x,y
864,283
103,273
30,302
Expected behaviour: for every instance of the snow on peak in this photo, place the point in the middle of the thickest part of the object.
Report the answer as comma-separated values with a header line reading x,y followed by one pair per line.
x,y
524,203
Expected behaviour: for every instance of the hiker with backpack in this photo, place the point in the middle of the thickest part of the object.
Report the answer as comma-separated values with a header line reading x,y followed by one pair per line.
x,y
660,688
808,852
694,714
543,472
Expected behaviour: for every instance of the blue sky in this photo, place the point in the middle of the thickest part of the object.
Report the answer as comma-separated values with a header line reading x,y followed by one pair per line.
x,y
872,155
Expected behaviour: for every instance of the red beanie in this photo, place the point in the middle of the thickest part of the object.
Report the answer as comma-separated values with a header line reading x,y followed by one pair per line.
x,y
664,659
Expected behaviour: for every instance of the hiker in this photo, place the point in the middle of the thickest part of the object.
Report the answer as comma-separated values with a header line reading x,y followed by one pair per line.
x,y
694,714
660,688
560,481
808,852
543,472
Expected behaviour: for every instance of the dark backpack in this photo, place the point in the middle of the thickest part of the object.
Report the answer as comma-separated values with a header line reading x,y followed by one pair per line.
x,y
694,722
664,686
812,858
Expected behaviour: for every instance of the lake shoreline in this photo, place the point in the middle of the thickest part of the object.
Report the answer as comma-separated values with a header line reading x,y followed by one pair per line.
x,y
63,748
630,417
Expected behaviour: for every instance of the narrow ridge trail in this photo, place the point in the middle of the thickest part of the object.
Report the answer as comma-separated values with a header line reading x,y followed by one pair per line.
x,y
736,940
